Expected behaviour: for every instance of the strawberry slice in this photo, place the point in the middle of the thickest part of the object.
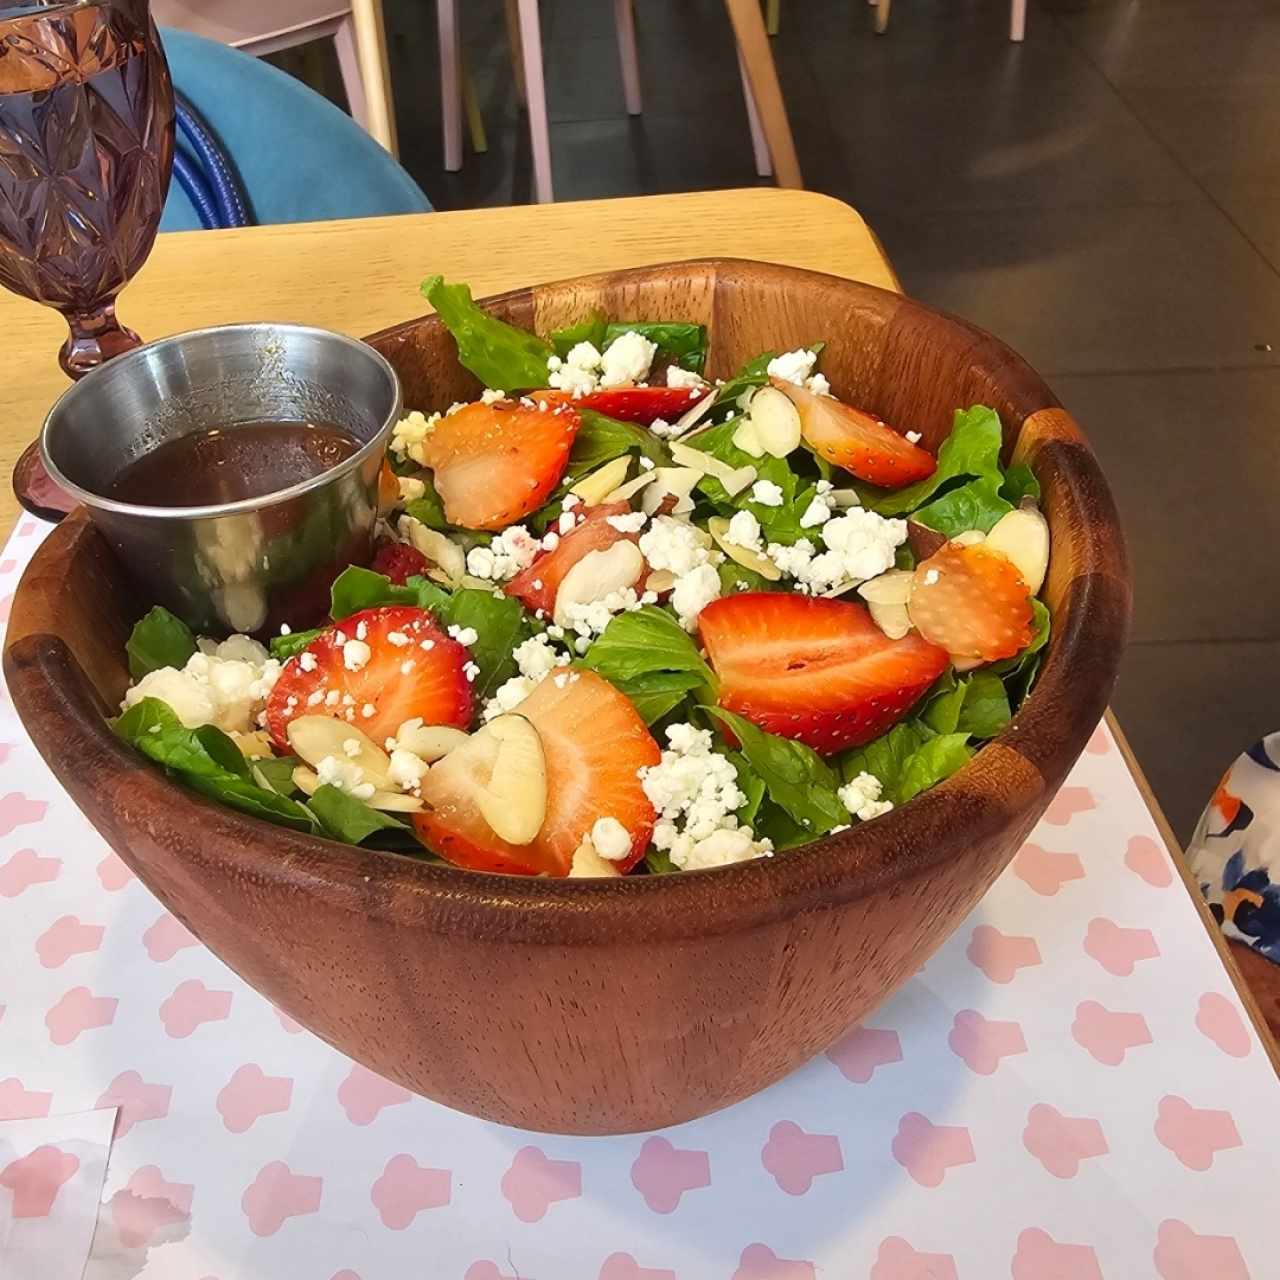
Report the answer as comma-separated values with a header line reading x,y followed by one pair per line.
x,y
495,463
399,562
594,744
973,602
642,405
536,586
413,669
856,441
819,671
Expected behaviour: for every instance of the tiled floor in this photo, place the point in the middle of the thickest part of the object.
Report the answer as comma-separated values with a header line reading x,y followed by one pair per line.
x,y
1105,196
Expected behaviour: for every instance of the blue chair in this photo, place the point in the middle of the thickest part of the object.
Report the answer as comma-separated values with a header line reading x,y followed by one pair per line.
x,y
298,158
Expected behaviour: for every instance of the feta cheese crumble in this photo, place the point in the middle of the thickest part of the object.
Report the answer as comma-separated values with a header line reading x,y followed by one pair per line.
x,y
342,775
490,396
674,544
464,635
766,493
411,488
744,531
578,372
511,551
693,592
406,769
797,366
860,545
861,796
409,436
610,839
356,655
627,358
816,513
680,377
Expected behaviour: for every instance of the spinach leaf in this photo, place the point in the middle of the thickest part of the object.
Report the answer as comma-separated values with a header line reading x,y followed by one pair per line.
x,y
600,439
347,819
976,504
503,357
283,647
750,783
795,776
755,373
658,863
160,639
773,822
591,329
735,577
1020,482
780,523
643,641
254,800
658,693
986,706
930,763
275,773
498,621
356,588
686,344
971,451
1019,672
429,508
430,595
941,706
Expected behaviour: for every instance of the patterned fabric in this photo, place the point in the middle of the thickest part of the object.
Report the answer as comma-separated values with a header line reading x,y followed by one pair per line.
x,y
1235,852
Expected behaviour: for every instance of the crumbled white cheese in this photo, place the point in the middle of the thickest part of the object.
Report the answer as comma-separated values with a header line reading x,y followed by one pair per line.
x,y
674,544
632,522
766,493
860,545
588,619
913,437
464,635
398,638
792,560
663,429
744,531
693,592
351,748
793,366
510,552
411,488
471,671
491,396
356,655
861,796
819,385
342,775
931,576
610,839
578,372
536,656
550,541
627,359
646,464
406,769
508,696
680,377
695,792
816,513
409,435
224,684
307,661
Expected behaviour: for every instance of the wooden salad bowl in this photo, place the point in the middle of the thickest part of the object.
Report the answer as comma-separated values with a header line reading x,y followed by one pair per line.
x,y
608,1006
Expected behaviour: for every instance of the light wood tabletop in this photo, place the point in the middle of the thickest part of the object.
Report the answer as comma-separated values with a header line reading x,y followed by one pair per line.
x,y
362,275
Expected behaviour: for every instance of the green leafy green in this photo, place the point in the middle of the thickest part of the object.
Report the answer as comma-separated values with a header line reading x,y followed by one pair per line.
x,y
431,595
160,639
283,647
986,706
976,504
970,452
642,641
658,693
1020,671
933,761
735,577
755,373
429,508
657,862
591,328
503,357
499,624
908,759
776,824
750,783
794,775
347,819
356,588
686,344
1020,482
779,523
600,439
275,773
207,760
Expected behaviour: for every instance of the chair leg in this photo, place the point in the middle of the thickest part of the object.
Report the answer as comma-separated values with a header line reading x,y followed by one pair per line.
x,y
375,71
773,16
1018,20
625,19
764,164
344,41
882,16
539,137
471,104
450,83
762,76
512,11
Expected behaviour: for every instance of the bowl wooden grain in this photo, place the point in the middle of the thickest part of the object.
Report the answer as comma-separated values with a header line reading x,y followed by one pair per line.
x,y
614,1005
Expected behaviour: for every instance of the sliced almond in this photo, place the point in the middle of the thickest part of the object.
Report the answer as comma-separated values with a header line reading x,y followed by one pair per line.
x,y
314,738
308,782
514,800
597,575
843,499
691,417
892,619
588,864
718,527
1023,536
660,580
253,746
776,422
966,664
679,482
969,538
594,488
734,479
625,492
431,742
891,587
441,551
747,438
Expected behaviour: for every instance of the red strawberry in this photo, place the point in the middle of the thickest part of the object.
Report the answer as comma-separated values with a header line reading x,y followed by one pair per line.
x,y
419,672
495,463
856,441
819,671
594,745
972,602
399,562
536,586
644,405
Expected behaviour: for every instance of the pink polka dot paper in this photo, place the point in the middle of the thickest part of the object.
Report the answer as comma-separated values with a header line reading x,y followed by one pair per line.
x,y
1068,1088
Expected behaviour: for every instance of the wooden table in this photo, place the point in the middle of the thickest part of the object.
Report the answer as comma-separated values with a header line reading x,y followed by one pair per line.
x,y
360,276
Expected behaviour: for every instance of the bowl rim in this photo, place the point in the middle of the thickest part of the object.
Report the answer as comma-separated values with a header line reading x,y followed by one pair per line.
x,y
832,870
100,502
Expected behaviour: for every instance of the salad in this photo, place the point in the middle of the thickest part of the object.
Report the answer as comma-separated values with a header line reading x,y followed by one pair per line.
x,y
622,619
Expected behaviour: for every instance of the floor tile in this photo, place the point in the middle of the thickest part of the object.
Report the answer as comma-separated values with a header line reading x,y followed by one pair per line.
x,y
1084,290
1253,204
1188,710
1192,460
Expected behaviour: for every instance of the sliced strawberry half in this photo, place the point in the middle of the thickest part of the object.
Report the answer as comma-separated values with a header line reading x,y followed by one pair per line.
x,y
643,405
399,562
495,463
413,669
857,441
594,744
819,671
536,586
973,602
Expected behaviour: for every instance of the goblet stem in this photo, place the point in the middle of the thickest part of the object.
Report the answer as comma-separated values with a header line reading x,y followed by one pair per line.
x,y
96,335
